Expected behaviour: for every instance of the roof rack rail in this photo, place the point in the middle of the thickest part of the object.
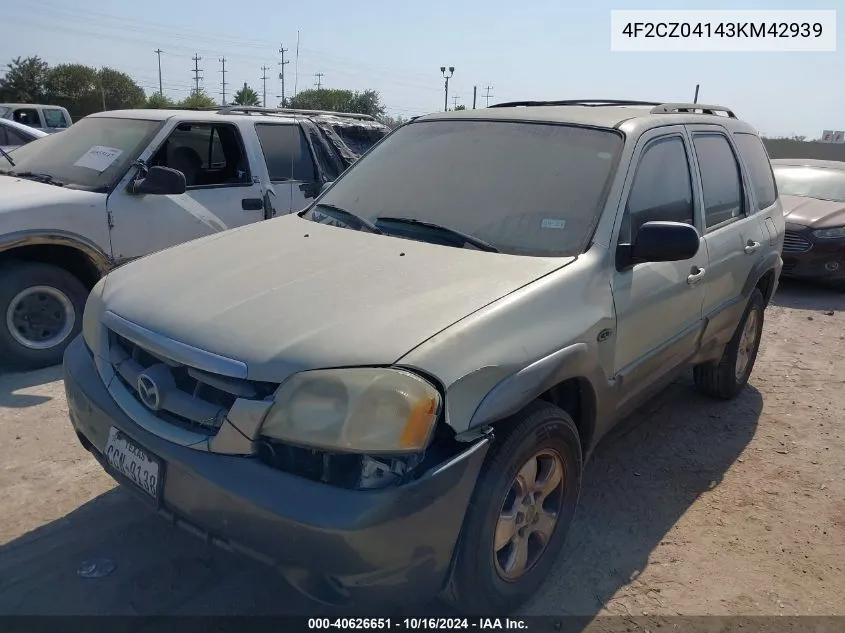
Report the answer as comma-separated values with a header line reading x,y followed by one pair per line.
x,y
691,108
576,102
236,109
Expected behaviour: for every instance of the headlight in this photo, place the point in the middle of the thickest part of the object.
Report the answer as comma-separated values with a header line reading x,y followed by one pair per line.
x,y
364,410
829,234
91,314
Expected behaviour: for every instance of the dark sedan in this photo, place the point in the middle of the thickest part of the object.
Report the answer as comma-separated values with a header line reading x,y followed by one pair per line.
x,y
813,197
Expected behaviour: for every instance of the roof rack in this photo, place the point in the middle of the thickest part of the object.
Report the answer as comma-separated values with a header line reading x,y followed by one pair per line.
x,y
576,102
657,107
691,108
236,109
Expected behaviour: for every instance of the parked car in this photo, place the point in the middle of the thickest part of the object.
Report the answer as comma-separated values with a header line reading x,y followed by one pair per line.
x,y
104,192
813,195
393,393
13,135
47,118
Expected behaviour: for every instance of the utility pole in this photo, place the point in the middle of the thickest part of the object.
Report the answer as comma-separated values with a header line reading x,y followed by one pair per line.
x,y
447,78
695,99
319,83
158,52
296,67
474,95
223,70
103,92
264,70
488,95
455,99
197,71
282,62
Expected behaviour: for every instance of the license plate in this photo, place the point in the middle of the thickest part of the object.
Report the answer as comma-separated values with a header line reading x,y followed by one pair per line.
x,y
133,462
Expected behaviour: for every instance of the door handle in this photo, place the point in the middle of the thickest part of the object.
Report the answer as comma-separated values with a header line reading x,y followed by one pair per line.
x,y
252,204
696,275
751,247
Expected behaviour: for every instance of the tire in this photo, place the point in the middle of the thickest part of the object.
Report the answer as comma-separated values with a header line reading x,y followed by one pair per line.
x,y
478,584
725,380
41,291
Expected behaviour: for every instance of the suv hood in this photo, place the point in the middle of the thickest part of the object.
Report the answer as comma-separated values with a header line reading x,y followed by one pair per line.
x,y
289,294
813,212
21,193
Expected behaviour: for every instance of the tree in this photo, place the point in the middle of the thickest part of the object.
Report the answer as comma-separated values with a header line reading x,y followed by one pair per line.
x,y
24,80
121,91
392,122
158,101
246,96
75,87
198,100
460,107
366,102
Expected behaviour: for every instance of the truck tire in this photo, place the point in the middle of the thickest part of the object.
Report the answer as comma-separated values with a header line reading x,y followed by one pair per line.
x,y
727,378
40,313
520,512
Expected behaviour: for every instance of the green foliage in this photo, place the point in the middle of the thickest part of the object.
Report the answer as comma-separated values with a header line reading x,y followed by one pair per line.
x,y
366,102
198,100
246,96
75,87
460,107
392,122
24,80
120,89
157,101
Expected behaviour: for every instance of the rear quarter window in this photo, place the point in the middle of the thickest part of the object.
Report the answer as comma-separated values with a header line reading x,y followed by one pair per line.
x,y
759,168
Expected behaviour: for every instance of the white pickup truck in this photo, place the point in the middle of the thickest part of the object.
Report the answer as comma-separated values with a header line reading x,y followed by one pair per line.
x,y
122,184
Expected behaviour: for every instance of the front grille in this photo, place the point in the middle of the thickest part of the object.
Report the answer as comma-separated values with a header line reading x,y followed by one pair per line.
x,y
189,398
796,243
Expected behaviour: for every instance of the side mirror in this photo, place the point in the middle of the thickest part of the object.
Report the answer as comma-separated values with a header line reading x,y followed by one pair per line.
x,y
326,185
660,242
160,181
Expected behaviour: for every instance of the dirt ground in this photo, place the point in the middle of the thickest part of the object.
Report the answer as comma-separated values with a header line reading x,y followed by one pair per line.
x,y
691,507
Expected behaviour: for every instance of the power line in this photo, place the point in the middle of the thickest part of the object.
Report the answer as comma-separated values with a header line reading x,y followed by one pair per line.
x,y
197,71
264,70
319,82
223,70
282,63
488,96
158,52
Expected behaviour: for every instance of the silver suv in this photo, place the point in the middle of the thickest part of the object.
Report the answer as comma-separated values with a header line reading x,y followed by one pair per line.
x,y
391,394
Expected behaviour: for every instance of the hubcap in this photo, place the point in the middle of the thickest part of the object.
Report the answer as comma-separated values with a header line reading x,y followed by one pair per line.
x,y
747,342
40,317
529,515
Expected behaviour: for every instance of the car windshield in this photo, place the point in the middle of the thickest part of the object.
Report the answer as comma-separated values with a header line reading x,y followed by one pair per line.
x,y
523,188
811,182
359,139
90,154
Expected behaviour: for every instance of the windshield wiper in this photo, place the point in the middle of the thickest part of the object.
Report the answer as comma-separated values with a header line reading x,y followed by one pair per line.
x,y
7,157
45,178
348,214
478,243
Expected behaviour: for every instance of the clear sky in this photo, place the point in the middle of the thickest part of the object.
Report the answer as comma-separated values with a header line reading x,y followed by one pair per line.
x,y
534,49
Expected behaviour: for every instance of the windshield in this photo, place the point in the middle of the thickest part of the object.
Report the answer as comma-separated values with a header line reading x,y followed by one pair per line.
x,y
90,154
359,139
524,188
811,182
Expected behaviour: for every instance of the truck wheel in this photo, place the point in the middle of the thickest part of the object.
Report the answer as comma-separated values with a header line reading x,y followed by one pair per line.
x,y
519,515
727,378
40,313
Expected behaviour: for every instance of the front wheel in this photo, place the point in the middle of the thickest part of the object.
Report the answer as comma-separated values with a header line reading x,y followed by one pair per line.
x,y
40,313
520,512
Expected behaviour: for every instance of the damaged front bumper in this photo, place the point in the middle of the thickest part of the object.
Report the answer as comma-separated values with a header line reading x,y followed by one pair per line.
x,y
337,545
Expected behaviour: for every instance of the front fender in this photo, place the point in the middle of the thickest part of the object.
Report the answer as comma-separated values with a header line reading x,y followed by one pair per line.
x,y
17,239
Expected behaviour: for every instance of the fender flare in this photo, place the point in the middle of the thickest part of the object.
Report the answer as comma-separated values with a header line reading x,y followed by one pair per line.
x,y
770,262
99,259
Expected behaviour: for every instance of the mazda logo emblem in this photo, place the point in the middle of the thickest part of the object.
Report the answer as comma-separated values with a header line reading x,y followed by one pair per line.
x,y
148,392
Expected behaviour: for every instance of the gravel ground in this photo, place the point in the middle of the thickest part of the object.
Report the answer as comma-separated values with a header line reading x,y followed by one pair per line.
x,y
690,507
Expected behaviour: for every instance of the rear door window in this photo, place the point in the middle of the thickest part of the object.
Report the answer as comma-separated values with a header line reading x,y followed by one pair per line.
x,y
54,118
286,152
759,168
27,116
720,178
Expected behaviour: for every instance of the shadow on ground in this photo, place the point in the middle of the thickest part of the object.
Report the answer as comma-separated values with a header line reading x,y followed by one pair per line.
x,y
13,382
805,295
642,479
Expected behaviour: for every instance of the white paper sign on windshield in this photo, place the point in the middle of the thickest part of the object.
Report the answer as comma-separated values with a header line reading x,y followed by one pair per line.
x,y
99,158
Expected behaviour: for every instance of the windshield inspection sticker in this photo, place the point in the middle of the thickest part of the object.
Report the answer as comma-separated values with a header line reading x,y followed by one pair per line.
x,y
99,158
551,223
